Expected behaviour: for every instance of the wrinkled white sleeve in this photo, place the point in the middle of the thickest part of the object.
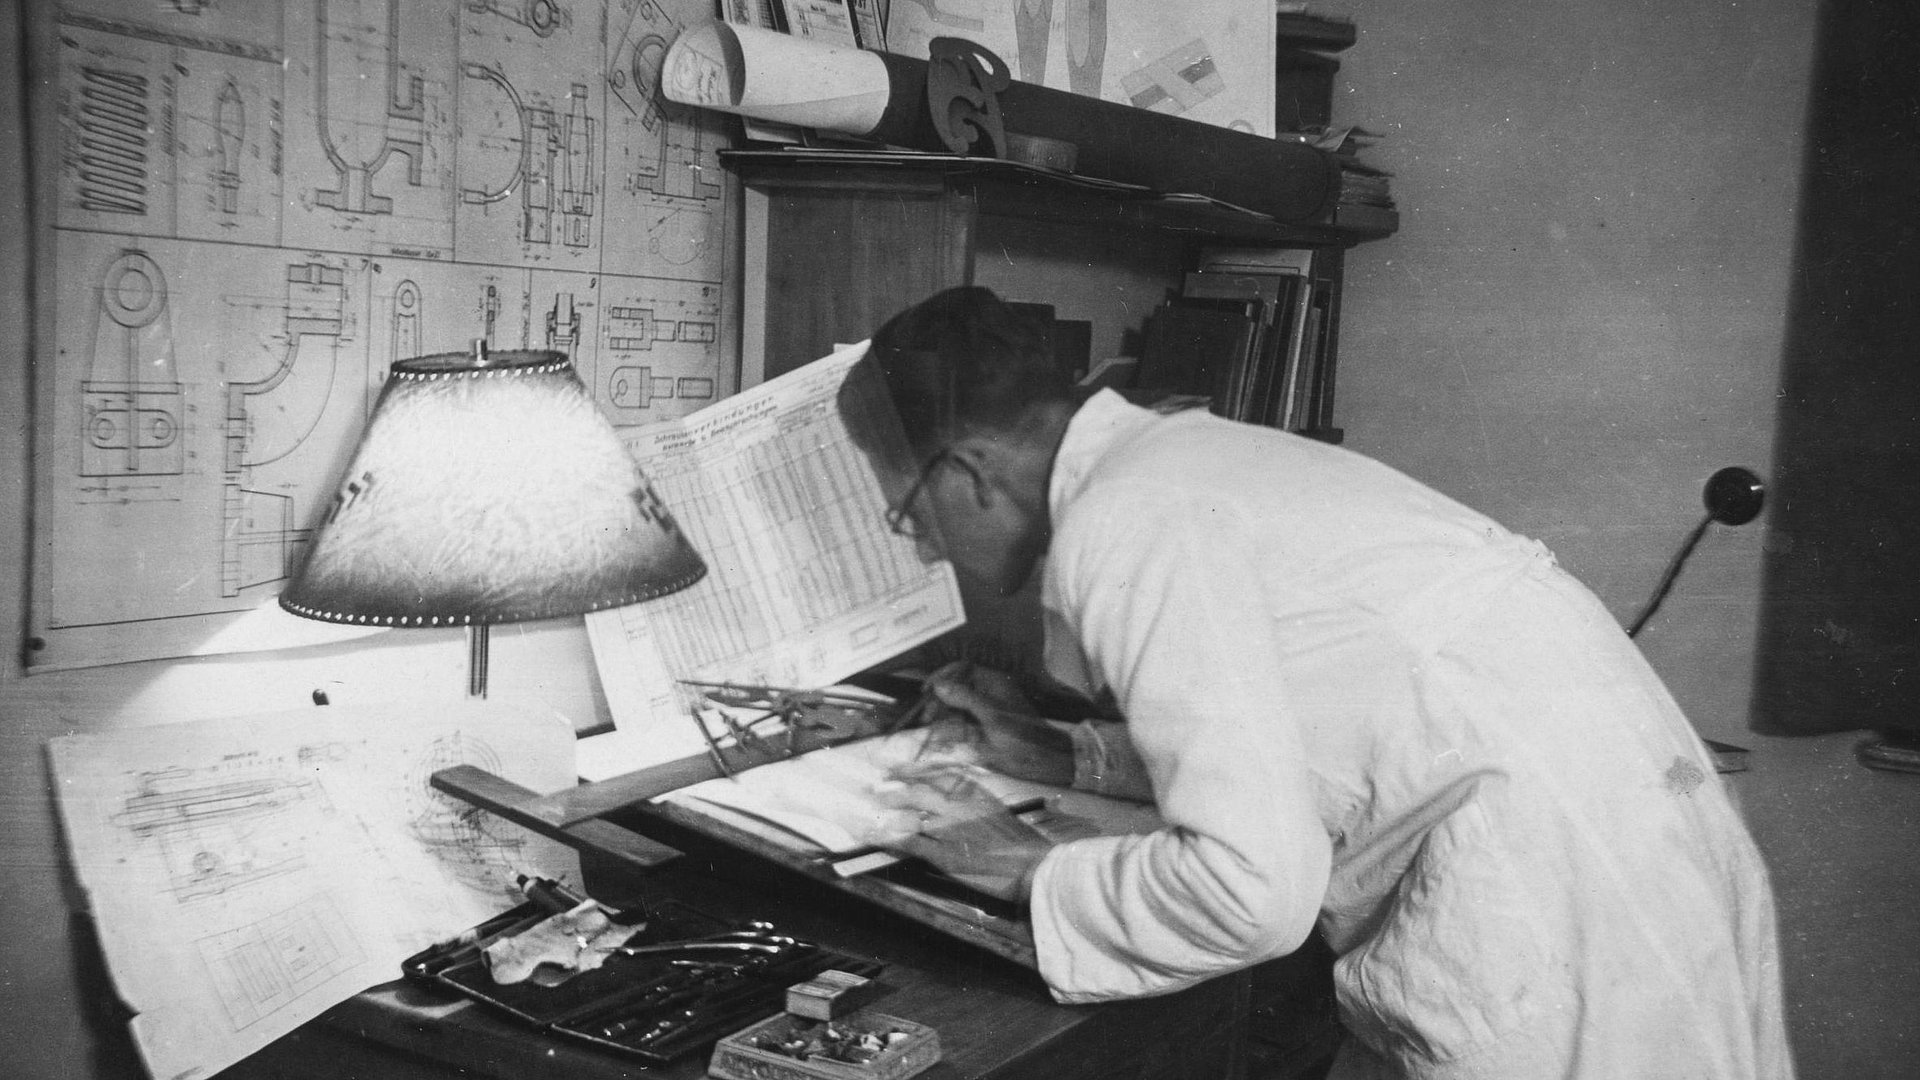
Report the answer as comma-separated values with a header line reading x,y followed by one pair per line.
x,y
1168,608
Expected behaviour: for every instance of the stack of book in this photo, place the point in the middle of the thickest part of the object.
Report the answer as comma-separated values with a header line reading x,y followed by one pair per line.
x,y
1252,330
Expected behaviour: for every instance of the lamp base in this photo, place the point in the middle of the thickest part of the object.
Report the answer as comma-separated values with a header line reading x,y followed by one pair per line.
x,y
477,660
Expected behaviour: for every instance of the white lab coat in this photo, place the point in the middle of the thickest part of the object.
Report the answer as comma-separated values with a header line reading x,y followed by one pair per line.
x,y
1359,702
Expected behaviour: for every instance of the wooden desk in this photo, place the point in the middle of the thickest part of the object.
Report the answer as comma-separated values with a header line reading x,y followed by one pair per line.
x,y
994,1017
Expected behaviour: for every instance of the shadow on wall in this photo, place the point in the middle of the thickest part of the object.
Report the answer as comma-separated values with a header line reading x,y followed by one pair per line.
x,y
1839,643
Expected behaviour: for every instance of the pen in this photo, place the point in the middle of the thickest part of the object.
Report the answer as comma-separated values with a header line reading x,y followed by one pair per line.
x,y
548,893
468,943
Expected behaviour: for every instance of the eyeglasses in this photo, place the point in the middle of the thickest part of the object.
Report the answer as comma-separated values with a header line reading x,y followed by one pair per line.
x,y
900,518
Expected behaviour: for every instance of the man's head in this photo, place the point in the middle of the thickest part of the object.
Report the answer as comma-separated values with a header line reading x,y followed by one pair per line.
x,y
984,408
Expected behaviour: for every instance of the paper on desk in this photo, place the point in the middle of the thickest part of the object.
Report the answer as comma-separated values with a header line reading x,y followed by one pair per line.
x,y
805,584
828,798
246,875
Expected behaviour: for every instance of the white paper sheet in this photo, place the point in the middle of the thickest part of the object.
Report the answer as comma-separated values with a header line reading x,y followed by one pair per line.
x,y
245,875
777,77
829,798
805,585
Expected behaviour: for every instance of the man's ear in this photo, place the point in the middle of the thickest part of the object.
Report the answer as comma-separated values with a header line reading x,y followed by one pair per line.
x,y
976,462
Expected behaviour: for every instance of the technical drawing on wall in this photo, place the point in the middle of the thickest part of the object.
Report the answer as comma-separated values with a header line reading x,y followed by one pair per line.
x,y
1208,62
367,107
255,209
132,396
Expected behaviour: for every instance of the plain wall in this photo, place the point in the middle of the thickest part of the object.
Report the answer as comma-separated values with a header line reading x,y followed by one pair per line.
x,y
1579,321
1582,316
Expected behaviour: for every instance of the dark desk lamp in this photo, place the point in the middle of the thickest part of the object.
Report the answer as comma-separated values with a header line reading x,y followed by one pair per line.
x,y
1733,496
488,489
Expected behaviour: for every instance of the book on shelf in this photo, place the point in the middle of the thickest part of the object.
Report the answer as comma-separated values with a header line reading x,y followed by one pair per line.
x,y
1280,296
1199,347
1282,389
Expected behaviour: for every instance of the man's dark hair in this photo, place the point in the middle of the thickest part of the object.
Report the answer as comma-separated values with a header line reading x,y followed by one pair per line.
x,y
964,359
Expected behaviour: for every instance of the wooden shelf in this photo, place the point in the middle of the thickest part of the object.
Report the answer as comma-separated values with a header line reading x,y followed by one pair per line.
x,y
836,241
1015,189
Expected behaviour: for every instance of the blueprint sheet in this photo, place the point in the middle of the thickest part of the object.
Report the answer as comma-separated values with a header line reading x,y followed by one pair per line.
x,y
805,583
245,875
247,211
1207,60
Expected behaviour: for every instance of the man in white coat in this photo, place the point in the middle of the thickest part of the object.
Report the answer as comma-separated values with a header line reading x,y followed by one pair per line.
x,y
1355,702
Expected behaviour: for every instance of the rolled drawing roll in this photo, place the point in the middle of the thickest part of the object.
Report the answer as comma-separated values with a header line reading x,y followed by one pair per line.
x,y
778,78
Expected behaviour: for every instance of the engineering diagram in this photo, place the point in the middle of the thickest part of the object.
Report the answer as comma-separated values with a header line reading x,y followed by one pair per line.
x,y
368,108
259,207
215,833
477,847
132,396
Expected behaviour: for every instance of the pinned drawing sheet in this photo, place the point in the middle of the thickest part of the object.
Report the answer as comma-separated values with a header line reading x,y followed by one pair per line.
x,y
1213,63
805,585
246,875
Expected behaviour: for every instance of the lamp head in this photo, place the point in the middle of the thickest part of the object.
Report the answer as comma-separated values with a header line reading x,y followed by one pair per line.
x,y
1734,496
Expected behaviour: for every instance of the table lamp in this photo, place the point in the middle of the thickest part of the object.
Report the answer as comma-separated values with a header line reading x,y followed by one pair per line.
x,y
488,488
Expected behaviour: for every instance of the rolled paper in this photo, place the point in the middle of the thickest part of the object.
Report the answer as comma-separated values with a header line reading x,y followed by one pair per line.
x,y
777,78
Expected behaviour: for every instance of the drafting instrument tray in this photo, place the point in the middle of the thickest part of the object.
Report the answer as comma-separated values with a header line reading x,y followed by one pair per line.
x,y
646,1007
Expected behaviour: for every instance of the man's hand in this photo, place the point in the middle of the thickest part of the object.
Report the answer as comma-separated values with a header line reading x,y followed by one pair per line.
x,y
985,710
942,815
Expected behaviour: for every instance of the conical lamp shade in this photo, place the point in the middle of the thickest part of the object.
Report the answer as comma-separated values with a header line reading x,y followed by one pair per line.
x,y
489,489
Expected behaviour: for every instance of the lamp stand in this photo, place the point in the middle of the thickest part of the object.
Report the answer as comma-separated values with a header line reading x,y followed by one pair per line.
x,y
477,660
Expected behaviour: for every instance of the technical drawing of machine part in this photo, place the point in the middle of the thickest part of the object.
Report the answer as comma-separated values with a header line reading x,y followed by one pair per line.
x,y
406,321
575,147
1175,82
634,387
634,75
675,167
542,17
965,20
1086,45
267,419
477,847
554,169
230,126
637,329
132,401
563,324
112,136
359,146
213,833
489,313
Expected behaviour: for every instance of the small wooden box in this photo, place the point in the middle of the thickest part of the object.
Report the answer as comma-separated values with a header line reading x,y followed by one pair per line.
x,y
750,1054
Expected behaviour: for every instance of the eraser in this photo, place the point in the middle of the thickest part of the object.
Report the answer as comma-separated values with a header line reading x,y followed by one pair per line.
x,y
831,994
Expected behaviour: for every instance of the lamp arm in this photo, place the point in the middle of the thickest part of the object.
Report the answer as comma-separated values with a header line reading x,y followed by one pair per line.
x,y
1673,572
